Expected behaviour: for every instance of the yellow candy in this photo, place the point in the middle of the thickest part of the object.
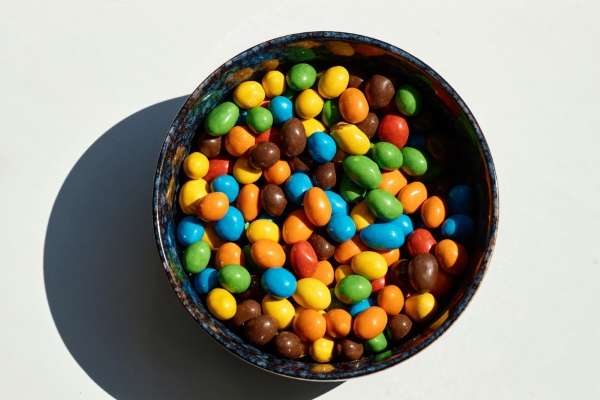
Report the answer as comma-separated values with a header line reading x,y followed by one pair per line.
x,y
351,139
333,82
361,215
308,104
211,237
249,94
281,309
420,306
311,126
369,264
321,350
244,173
262,229
273,83
221,304
312,293
190,195
195,165
342,271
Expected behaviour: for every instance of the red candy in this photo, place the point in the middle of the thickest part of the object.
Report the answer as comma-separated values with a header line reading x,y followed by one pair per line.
x,y
217,167
394,129
377,284
420,241
303,259
270,135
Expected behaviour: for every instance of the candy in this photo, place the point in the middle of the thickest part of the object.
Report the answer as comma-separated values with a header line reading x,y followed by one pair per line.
x,y
282,109
308,104
303,259
273,200
324,176
349,190
310,325
370,323
338,205
210,146
263,155
361,215
293,137
420,241
394,129
383,236
268,253
390,256
231,226
259,119
288,345
196,257
312,293
273,83
195,165
321,350
451,256
420,306
363,171
407,100
228,253
221,304
213,206
369,264
352,289
412,196
234,278
279,309
359,307
298,165
226,184
341,228
321,147
377,344
301,76
331,113
458,226
262,229
222,118
311,126
317,207
248,201
248,94
350,139
244,173
246,310
324,272
398,327
383,205
379,91
369,125
355,81
189,230
190,195
296,186
211,238
206,280
339,323
387,156
433,212
322,247
405,223
217,167
391,299
341,272
278,173
278,282
260,330
415,163
348,249
349,350
353,105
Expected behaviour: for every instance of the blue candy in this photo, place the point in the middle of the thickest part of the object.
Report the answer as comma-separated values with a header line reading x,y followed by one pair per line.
x,y
189,230
406,223
226,184
206,280
460,200
338,204
231,226
296,185
341,228
321,147
278,282
458,226
383,236
282,109
359,307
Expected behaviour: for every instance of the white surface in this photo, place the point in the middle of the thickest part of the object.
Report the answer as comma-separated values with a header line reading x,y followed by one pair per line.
x,y
72,70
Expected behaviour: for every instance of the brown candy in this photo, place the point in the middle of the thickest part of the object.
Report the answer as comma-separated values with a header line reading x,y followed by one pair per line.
x,y
340,155
210,146
322,246
288,344
297,165
399,326
263,155
423,272
355,81
293,137
246,310
260,330
379,91
324,176
255,291
369,125
349,350
273,200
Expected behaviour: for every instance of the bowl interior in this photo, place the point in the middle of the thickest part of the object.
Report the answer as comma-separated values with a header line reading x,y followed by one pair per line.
x,y
445,119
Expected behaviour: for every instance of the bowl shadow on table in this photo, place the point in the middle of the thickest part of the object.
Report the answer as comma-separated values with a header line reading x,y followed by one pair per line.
x,y
108,294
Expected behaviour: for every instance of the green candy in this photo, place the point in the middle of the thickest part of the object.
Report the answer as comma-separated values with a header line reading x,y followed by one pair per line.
x,y
353,289
259,119
222,118
387,155
408,100
382,356
384,205
349,190
331,113
377,344
234,278
301,76
415,163
363,171
196,257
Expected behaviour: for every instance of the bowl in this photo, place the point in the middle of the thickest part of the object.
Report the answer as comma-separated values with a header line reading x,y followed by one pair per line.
x,y
447,114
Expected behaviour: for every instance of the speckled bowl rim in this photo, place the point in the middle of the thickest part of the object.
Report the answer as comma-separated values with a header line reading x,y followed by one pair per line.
x,y
494,199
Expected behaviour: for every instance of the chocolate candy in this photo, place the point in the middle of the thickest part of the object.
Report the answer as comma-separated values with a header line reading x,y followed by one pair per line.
x,y
273,200
260,330
210,146
293,138
288,345
322,247
263,155
355,81
398,327
349,350
324,176
297,165
423,271
369,125
379,91
246,310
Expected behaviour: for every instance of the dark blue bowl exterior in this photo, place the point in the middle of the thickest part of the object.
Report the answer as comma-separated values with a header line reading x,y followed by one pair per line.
x,y
316,47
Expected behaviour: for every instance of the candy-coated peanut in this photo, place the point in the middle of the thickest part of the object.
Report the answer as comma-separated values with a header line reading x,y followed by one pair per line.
x,y
221,304
238,141
217,167
321,350
394,129
420,241
392,182
222,118
369,264
268,254
391,256
352,289
226,184
363,171
303,259
259,119
451,256
310,324
311,126
296,227
412,196
262,229
351,139
273,83
370,323
384,205
281,310
249,201
228,253
213,206
196,257
333,82
234,278
324,272
195,165
339,323
211,238
296,186
342,271
353,105
206,280
391,299
301,76
244,173
377,344
278,173
190,195
317,207
348,249
433,212
308,104
278,282
282,109
383,236
189,230
312,293
415,163
248,94
420,306
361,215
378,284
408,100
458,226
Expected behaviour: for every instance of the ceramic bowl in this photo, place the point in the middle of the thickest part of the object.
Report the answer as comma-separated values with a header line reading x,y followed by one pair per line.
x,y
444,112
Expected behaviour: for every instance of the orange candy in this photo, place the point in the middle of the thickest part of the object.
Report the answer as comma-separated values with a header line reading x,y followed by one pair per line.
x,y
348,249
267,253
392,181
370,323
278,173
317,207
229,253
391,299
238,141
324,272
248,201
213,206
412,196
296,227
391,256
353,105
433,212
310,324
339,323
451,256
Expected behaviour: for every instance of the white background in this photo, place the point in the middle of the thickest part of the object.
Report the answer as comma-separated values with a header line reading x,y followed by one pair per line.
x,y
87,313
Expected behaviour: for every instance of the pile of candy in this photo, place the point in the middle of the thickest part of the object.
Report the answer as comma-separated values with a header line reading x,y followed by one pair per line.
x,y
302,197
